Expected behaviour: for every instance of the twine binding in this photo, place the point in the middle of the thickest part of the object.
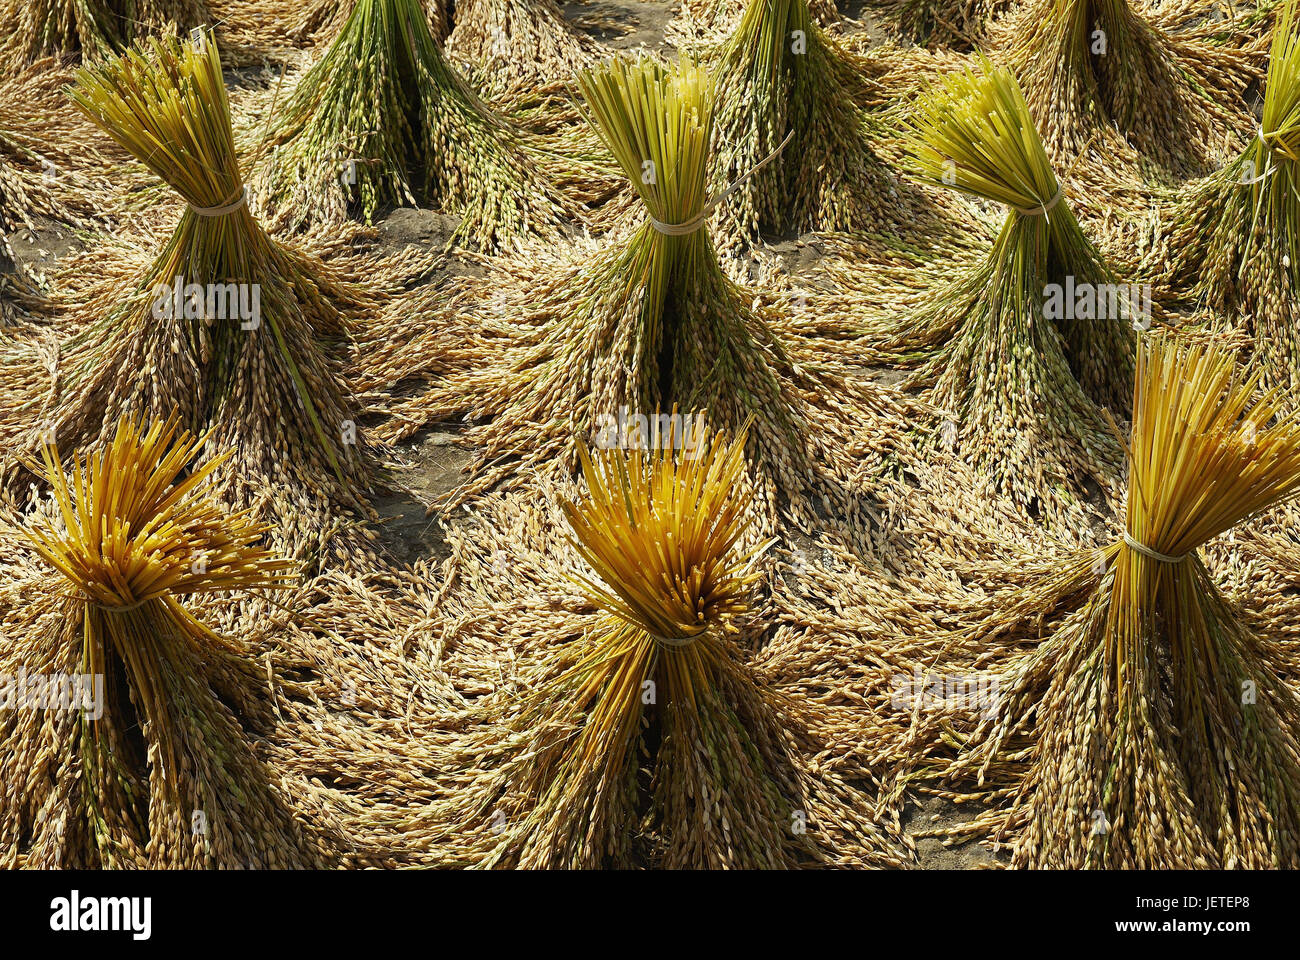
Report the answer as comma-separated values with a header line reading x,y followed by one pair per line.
x,y
221,211
1146,551
1043,209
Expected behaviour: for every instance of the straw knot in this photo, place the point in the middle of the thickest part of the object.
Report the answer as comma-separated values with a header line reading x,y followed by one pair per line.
x,y
1146,551
225,208
1043,209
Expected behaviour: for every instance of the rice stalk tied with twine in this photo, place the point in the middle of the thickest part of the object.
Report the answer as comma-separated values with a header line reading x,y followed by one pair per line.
x,y
1155,729
658,680
32,29
643,322
146,760
383,119
786,94
1025,379
226,327
1234,239
1090,66
513,47
959,24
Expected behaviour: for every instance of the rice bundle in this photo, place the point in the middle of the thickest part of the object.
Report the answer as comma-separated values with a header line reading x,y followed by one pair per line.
x,y
1235,237
32,29
781,77
325,18
641,323
953,23
127,744
516,46
658,680
1093,65
1158,728
1019,360
226,328
382,118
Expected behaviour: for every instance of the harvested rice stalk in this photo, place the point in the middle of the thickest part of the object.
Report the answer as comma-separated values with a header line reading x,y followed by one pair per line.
x,y
147,763
226,327
1159,731
660,536
953,23
382,118
1094,65
715,20
325,18
1234,242
640,324
780,76
32,29
1025,346
516,46
659,674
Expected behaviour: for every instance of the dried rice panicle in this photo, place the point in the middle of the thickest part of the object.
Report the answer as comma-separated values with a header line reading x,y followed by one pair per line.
x,y
382,118
1092,66
33,29
513,47
1234,240
956,24
226,327
783,84
153,765
1022,360
1157,729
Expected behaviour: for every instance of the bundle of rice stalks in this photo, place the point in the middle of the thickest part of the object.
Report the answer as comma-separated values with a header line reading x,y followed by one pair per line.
x,y
958,24
652,723
32,29
382,119
1234,240
1158,728
643,323
1023,347
516,46
715,20
129,742
325,18
781,77
226,327
1089,66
